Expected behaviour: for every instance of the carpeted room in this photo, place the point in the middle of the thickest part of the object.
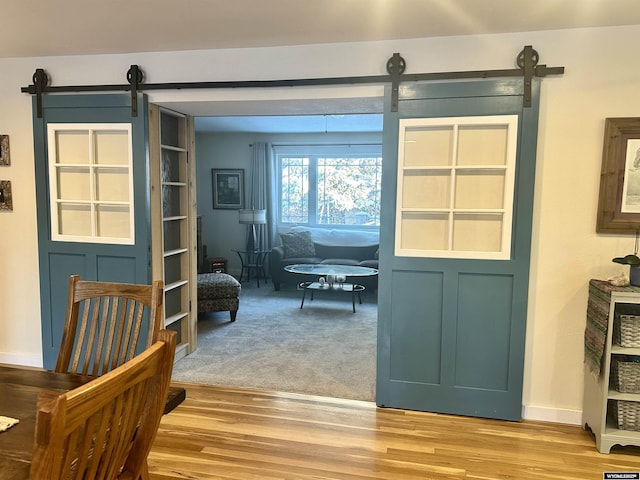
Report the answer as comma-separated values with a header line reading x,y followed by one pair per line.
x,y
323,349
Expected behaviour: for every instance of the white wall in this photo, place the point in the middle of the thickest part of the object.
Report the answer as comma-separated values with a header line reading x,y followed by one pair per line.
x,y
602,80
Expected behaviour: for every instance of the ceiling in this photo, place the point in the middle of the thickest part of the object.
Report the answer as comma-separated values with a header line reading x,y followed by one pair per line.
x,y
73,27
33,28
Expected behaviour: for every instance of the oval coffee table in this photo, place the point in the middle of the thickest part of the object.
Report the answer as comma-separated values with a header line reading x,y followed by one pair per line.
x,y
328,274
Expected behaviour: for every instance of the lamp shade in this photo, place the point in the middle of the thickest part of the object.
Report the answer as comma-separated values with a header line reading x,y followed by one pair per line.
x,y
252,217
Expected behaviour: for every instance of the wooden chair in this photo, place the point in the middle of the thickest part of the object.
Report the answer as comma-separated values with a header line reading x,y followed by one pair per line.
x,y
105,428
104,323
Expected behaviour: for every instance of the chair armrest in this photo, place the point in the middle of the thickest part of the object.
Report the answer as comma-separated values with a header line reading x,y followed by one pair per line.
x,y
276,261
277,254
276,257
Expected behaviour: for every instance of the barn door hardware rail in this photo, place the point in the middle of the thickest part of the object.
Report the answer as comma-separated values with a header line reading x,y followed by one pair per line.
x,y
527,61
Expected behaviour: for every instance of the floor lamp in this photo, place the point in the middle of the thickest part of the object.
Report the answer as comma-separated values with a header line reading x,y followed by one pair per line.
x,y
251,218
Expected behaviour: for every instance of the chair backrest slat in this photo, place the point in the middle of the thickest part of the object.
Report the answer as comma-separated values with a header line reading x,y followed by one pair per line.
x,y
105,428
104,324
135,313
97,339
109,330
116,343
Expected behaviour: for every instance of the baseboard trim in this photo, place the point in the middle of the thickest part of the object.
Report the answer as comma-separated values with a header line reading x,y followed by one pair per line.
x,y
24,360
553,415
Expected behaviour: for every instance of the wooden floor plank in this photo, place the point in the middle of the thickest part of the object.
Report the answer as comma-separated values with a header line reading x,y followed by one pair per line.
x,y
229,433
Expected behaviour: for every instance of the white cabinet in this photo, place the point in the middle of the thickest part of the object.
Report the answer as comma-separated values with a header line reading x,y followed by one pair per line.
x,y
605,302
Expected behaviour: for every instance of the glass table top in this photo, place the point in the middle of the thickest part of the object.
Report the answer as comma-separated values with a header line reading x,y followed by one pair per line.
x,y
328,269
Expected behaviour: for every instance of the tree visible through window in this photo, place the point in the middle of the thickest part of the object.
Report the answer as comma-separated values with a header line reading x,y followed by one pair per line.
x,y
330,185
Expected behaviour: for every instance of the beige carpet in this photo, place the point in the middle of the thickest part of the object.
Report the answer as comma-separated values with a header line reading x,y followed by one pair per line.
x,y
323,349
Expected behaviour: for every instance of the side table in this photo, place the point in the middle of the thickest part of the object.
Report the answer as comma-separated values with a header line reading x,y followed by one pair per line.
x,y
253,261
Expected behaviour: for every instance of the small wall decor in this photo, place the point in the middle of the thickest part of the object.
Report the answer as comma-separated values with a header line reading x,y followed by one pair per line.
x,y
5,195
619,201
5,159
228,188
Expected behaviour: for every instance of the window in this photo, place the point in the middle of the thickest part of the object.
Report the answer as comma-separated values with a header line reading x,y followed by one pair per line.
x,y
456,187
91,182
330,185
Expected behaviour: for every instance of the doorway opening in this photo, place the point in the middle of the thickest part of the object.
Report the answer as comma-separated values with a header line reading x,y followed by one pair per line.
x,y
322,349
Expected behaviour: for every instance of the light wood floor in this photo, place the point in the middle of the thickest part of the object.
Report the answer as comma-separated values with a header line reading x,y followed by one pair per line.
x,y
227,433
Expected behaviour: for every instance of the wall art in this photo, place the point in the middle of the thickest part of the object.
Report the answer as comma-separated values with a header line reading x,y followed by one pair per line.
x,y
228,188
619,200
5,158
6,203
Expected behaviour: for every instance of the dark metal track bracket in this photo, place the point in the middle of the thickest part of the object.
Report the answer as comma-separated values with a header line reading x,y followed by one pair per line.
x,y
135,76
527,61
396,66
40,82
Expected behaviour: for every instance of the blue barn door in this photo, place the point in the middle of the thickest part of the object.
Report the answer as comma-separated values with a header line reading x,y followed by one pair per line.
x,y
92,199
458,183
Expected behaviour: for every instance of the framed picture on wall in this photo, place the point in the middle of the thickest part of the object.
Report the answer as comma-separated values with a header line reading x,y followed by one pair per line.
x,y
619,201
5,159
6,202
228,188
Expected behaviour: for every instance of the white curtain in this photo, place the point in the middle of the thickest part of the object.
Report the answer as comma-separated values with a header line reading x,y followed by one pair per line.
x,y
262,191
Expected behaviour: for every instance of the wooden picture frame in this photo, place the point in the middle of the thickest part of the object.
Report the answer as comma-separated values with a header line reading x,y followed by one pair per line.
x,y
5,157
619,199
6,202
227,188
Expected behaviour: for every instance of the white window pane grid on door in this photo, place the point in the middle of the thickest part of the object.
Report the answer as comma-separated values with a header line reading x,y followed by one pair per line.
x,y
111,147
113,221
455,187
74,220
427,189
111,184
91,183
426,146
479,189
424,231
71,146
477,232
74,183
482,145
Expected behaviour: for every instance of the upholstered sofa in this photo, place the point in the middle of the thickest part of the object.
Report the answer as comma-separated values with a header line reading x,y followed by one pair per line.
x,y
319,245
